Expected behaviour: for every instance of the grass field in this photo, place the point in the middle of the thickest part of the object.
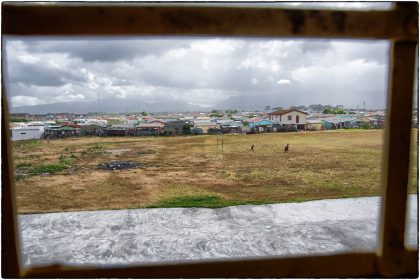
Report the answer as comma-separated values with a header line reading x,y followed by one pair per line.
x,y
193,171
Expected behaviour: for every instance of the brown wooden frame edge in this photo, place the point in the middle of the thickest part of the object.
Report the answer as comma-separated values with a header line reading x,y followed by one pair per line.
x,y
9,241
396,157
398,25
341,265
93,18
313,266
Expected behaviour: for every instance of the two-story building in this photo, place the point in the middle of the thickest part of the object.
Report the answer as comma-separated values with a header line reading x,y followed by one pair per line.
x,y
289,118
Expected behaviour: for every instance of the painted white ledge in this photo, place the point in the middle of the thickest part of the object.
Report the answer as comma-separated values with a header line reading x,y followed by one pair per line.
x,y
170,234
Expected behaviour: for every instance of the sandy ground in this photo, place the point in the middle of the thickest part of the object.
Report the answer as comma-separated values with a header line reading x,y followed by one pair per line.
x,y
151,235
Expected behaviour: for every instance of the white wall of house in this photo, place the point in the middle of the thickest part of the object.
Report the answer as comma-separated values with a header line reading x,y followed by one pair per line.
x,y
275,118
27,133
293,117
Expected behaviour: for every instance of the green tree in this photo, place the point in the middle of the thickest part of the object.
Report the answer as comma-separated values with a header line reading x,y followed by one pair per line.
x,y
365,125
230,111
18,120
187,129
115,121
333,111
143,113
216,113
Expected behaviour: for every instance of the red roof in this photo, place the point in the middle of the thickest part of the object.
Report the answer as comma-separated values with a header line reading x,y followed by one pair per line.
x,y
282,112
253,120
72,125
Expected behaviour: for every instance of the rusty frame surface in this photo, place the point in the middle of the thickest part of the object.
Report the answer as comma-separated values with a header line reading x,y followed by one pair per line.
x,y
130,19
399,25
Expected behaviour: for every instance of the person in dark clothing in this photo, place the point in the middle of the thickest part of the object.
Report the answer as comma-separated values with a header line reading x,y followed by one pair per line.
x,y
252,148
286,148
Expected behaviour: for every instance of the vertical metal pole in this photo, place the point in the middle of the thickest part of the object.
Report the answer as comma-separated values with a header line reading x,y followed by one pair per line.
x,y
396,158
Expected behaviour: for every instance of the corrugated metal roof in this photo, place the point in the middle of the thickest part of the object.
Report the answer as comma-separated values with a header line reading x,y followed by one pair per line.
x,y
313,121
338,120
94,123
150,125
262,122
285,111
27,128
123,126
204,123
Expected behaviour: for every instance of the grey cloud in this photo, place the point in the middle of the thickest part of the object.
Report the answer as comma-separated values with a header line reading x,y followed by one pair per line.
x,y
105,50
41,75
203,71
377,51
122,83
315,46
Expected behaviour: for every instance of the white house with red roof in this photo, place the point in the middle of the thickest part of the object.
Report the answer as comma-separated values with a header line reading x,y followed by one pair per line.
x,y
289,117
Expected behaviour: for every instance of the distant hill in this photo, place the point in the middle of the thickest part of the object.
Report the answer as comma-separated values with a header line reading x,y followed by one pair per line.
x,y
251,103
110,105
117,105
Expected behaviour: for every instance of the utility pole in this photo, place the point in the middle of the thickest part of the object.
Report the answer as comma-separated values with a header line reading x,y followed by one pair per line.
x,y
98,104
222,140
364,106
221,131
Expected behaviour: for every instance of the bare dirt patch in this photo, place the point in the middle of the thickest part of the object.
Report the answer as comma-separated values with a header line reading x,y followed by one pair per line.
x,y
117,152
119,165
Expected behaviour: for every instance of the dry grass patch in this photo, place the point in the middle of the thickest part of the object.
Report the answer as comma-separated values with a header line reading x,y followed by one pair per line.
x,y
193,170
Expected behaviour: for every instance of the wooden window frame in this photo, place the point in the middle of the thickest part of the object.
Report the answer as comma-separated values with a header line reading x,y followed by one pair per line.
x,y
398,25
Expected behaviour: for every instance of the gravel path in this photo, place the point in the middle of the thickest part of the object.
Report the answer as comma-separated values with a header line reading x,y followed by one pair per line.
x,y
150,235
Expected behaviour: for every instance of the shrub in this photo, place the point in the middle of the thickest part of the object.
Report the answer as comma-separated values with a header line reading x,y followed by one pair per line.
x,y
23,164
365,125
24,170
47,168
93,151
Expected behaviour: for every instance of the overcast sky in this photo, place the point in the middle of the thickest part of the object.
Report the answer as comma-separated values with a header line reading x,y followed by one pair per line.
x,y
199,71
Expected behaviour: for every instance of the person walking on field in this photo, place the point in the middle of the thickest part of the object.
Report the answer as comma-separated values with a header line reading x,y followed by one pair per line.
x,y
286,148
252,148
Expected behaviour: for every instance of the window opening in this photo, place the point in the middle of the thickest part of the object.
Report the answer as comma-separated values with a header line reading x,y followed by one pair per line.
x,y
121,95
